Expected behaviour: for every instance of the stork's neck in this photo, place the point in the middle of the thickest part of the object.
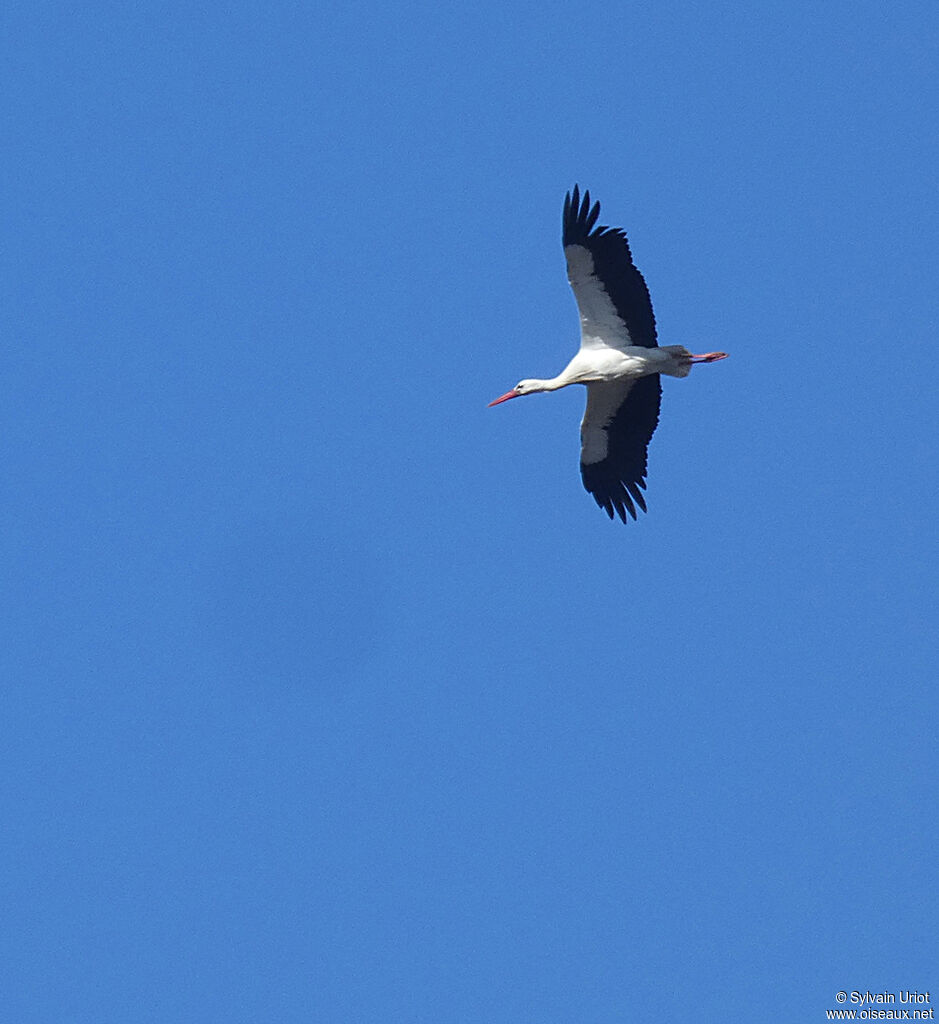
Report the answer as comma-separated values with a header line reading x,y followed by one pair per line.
x,y
577,371
552,384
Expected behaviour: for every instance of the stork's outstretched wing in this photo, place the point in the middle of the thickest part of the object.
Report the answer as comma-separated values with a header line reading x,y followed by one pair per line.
x,y
615,308
620,420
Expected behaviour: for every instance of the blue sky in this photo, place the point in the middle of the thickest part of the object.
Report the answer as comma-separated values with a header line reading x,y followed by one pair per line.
x,y
329,695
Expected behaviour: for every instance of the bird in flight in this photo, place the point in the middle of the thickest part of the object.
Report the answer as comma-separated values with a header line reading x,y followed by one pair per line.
x,y
619,360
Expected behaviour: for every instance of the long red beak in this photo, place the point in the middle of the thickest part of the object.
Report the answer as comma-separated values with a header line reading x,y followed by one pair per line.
x,y
709,357
509,394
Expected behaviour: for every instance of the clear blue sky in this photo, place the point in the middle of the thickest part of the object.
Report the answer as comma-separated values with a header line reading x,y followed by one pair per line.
x,y
328,694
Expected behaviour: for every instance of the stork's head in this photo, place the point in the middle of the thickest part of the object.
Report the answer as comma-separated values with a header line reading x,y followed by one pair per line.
x,y
523,387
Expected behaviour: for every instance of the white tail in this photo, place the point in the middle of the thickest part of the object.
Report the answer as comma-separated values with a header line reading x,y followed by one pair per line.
x,y
680,363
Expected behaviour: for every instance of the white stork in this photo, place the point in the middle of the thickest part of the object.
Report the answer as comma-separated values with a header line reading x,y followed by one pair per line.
x,y
619,359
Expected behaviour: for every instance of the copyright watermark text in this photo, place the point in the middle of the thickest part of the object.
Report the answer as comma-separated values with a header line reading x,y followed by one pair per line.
x,y
905,1004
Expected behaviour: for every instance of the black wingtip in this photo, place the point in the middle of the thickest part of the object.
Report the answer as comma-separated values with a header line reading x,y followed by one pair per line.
x,y
571,208
637,495
580,217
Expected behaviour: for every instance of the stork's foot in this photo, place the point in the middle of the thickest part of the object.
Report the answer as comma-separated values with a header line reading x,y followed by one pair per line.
x,y
709,357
